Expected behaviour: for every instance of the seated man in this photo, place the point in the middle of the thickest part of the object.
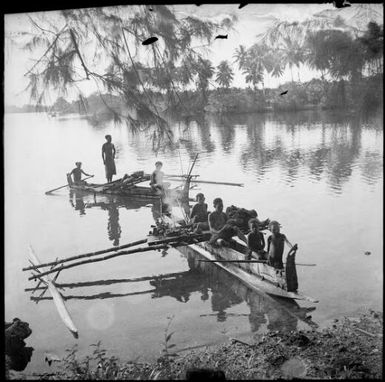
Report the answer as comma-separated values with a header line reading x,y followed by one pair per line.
x,y
275,245
199,214
77,173
222,230
156,180
217,218
256,240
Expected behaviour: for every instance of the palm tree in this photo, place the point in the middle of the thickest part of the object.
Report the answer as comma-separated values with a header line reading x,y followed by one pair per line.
x,y
293,55
225,74
254,74
240,56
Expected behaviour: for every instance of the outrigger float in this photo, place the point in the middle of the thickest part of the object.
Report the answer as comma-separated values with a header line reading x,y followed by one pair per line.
x,y
56,295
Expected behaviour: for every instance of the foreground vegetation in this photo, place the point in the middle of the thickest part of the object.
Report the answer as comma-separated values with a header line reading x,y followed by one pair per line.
x,y
349,348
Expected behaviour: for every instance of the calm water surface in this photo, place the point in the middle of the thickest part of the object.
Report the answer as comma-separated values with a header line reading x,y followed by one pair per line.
x,y
319,174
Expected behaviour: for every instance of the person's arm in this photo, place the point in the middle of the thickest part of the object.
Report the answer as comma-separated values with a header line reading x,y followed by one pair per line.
x,y
211,224
263,240
85,173
193,211
113,151
241,235
103,155
287,241
268,244
152,179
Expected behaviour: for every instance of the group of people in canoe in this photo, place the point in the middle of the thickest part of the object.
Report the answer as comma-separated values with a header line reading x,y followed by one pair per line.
x,y
223,227
108,156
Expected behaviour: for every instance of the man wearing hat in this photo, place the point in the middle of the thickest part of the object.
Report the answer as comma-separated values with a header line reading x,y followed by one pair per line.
x,y
77,173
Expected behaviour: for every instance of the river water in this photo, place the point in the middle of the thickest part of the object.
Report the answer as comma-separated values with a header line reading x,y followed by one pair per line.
x,y
320,174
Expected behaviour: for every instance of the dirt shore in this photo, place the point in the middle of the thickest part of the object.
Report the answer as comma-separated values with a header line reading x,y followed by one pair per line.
x,y
349,348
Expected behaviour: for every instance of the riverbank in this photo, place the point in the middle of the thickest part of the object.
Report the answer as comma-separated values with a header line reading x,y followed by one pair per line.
x,y
351,347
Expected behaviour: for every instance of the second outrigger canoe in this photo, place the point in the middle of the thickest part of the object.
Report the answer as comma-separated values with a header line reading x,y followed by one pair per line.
x,y
128,186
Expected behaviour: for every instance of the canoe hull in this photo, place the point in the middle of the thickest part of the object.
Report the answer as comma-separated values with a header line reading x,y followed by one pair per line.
x,y
258,276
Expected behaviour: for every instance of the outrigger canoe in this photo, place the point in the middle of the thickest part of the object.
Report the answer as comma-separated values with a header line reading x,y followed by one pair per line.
x,y
258,276
128,187
56,296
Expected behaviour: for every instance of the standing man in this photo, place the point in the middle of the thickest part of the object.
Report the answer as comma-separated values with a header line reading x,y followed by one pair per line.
x,y
108,155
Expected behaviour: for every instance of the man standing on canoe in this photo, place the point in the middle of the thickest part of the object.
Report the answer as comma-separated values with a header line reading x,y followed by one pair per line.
x,y
108,155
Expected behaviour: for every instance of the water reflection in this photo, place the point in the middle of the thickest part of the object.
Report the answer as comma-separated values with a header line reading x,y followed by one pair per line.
x,y
211,283
279,314
76,200
323,145
81,200
319,145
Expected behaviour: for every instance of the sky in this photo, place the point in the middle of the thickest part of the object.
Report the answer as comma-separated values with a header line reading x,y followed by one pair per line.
x,y
253,19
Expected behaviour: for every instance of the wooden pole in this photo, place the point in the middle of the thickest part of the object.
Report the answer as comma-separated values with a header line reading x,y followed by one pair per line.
x,y
162,277
58,188
137,250
192,166
179,176
211,182
90,254
249,261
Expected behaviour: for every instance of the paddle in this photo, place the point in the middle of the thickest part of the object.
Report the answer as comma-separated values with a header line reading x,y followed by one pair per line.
x,y
58,188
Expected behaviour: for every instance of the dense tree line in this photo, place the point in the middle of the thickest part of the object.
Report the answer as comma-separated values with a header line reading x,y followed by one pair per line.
x,y
104,45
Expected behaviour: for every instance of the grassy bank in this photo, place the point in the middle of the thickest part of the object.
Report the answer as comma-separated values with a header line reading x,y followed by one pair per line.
x,y
348,348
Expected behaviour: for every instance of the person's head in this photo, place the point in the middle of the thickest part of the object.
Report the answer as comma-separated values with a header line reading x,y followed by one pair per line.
x,y
218,204
200,198
108,138
78,164
274,227
232,222
253,214
158,165
254,225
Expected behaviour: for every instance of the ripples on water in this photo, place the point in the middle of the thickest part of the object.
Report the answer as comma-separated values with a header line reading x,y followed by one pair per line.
x,y
320,174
